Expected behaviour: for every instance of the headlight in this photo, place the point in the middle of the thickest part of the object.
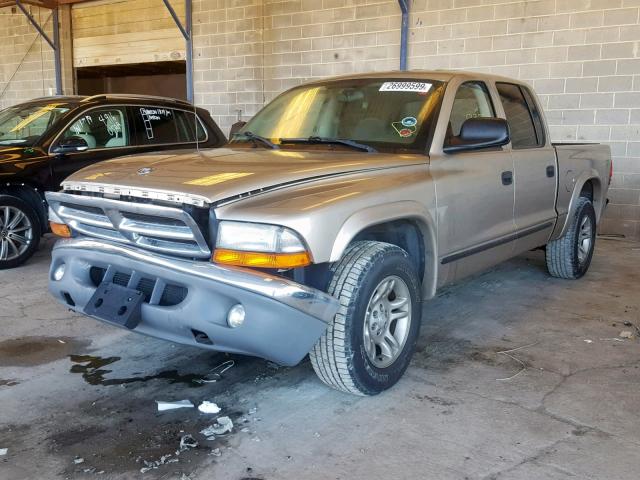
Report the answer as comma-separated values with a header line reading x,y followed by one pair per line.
x,y
259,245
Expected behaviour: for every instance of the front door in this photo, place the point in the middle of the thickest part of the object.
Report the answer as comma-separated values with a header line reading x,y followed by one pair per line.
x,y
107,134
475,194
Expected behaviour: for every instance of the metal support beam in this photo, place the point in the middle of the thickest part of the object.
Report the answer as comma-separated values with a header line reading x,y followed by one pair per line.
x,y
187,33
404,34
54,42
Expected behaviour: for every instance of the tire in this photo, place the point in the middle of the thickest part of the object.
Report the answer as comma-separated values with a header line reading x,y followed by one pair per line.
x,y
570,255
20,231
346,357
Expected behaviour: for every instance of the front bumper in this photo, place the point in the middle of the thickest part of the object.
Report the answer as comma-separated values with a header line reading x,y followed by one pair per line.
x,y
283,319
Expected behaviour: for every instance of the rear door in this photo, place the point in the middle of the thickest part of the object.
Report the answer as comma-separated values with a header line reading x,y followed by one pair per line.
x,y
474,191
534,160
163,128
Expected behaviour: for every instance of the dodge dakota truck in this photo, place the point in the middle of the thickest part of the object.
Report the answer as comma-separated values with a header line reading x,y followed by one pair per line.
x,y
47,139
327,220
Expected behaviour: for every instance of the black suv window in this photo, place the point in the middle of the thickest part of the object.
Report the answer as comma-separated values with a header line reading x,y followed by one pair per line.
x,y
155,125
101,128
188,123
524,133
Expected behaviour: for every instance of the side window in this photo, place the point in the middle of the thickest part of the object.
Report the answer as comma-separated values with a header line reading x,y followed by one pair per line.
x,y
188,124
155,125
521,122
472,101
535,114
101,128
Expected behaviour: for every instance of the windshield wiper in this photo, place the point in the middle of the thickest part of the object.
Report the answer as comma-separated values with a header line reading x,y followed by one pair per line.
x,y
258,139
331,141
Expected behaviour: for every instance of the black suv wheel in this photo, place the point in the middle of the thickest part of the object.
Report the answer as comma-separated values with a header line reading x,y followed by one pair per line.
x,y
20,231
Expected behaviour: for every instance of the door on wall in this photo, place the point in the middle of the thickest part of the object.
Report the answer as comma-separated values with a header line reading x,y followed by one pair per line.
x,y
163,79
128,47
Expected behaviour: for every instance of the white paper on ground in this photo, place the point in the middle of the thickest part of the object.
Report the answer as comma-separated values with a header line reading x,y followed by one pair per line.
x,y
162,406
3,451
209,407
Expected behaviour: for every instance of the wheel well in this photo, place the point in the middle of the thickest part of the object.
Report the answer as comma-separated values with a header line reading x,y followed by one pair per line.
x,y
587,190
32,197
402,233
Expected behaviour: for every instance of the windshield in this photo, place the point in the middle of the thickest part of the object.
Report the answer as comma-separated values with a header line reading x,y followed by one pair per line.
x,y
384,113
24,124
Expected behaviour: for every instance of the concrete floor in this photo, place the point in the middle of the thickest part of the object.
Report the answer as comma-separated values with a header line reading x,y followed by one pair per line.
x,y
73,388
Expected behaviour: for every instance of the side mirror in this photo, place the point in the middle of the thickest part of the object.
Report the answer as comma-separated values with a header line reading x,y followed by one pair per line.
x,y
479,133
70,145
236,127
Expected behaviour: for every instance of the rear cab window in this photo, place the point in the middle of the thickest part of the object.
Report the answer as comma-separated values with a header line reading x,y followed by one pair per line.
x,y
523,116
157,125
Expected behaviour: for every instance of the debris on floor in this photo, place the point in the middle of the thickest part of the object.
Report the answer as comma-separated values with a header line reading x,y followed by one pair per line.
x,y
78,460
154,465
187,442
209,407
223,425
163,406
216,452
3,451
626,334
216,373
586,340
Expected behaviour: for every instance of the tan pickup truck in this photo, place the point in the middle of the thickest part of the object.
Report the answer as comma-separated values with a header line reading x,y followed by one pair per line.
x,y
327,220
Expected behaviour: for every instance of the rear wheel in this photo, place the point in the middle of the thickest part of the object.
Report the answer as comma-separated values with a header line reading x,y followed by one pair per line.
x,y
20,231
570,255
367,347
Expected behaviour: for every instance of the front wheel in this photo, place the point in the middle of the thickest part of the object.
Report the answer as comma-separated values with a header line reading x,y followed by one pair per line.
x,y
570,255
19,231
368,345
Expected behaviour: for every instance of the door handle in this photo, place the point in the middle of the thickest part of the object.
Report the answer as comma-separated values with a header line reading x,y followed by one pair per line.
x,y
507,178
551,171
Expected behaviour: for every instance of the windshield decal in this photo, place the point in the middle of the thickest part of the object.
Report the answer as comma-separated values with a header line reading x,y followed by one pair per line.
x,y
418,87
405,131
409,122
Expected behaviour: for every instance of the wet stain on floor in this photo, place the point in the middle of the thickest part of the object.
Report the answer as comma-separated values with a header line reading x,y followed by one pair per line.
x,y
93,372
33,351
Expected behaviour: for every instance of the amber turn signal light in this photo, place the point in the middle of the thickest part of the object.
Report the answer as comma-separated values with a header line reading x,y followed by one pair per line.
x,y
60,229
261,259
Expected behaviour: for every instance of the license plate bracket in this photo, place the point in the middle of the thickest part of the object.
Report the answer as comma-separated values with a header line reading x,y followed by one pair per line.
x,y
116,304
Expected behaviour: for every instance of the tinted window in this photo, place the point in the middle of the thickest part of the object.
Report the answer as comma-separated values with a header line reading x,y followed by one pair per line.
x,y
472,101
537,117
101,128
187,125
156,125
523,131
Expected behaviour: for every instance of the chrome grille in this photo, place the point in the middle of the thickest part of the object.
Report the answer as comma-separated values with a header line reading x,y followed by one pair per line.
x,y
153,227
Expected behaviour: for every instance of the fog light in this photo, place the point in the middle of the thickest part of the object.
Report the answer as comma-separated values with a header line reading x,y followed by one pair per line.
x,y
236,315
59,272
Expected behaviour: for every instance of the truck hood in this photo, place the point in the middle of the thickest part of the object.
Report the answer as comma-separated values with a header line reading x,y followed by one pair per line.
x,y
224,173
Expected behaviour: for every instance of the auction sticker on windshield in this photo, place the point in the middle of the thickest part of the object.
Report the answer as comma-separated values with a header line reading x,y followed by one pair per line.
x,y
419,87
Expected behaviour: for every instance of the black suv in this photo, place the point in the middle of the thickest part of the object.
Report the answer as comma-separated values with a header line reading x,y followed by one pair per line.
x,y
44,141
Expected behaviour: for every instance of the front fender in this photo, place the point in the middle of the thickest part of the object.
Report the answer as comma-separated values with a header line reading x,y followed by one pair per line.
x,y
401,210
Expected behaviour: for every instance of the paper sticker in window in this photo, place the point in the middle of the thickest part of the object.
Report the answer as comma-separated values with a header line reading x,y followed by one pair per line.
x,y
418,87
